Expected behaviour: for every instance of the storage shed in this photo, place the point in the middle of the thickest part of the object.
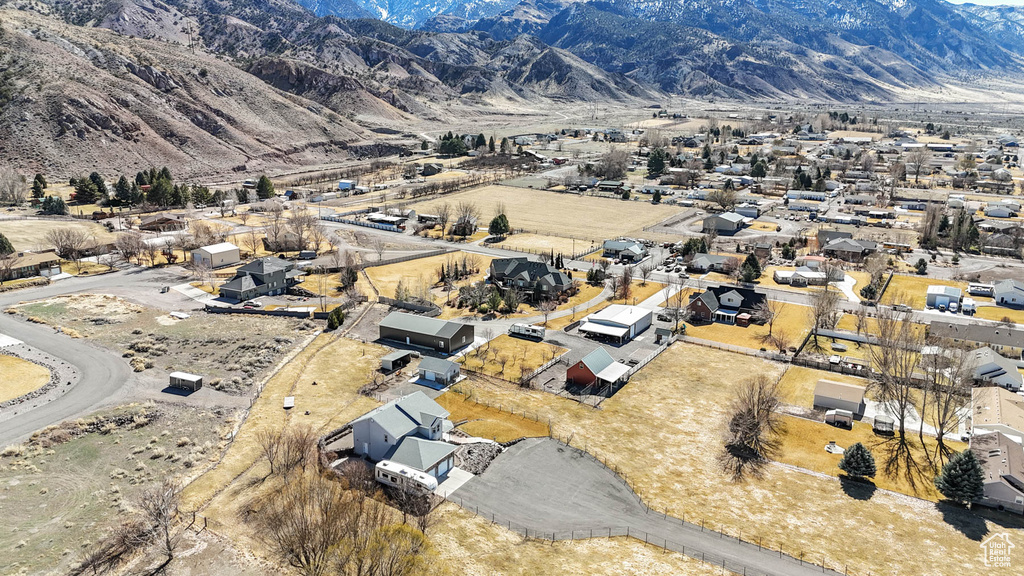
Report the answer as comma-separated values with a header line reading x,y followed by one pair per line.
x,y
186,381
829,395
395,360
438,370
440,335
217,255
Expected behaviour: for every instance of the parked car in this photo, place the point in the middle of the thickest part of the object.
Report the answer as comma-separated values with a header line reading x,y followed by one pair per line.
x,y
902,308
252,304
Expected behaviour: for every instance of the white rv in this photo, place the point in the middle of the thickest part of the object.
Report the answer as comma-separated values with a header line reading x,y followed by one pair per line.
x,y
393,474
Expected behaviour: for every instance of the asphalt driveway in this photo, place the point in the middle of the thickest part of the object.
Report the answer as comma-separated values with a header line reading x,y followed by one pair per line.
x,y
555,491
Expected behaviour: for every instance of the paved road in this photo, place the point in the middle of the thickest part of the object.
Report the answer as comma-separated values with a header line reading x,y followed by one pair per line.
x,y
102,375
545,486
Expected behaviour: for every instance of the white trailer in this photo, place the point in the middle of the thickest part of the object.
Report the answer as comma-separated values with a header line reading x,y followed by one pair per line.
x,y
404,478
186,381
527,331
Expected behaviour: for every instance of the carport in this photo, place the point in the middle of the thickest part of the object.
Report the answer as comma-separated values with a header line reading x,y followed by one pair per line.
x,y
617,333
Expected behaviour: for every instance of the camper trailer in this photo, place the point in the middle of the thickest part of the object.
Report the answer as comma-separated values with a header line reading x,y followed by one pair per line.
x,y
527,331
404,478
838,417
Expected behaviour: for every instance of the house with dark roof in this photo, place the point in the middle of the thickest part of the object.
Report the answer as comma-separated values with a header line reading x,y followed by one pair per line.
x,y
596,368
407,431
1008,342
536,280
1002,465
726,304
826,236
440,335
163,222
849,250
268,276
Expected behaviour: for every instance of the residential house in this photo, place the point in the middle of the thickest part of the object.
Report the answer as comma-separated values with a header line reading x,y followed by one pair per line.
x,y
406,431
217,255
860,200
629,250
711,263
536,280
725,223
615,186
999,211
444,372
440,335
27,264
995,409
826,236
992,369
618,322
814,195
596,368
997,226
726,304
268,276
748,210
939,295
849,250
802,277
1002,465
832,395
431,169
1009,293
1006,341
163,222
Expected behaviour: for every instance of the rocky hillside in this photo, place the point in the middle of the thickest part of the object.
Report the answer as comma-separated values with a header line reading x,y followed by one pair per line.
x,y
1004,23
79,98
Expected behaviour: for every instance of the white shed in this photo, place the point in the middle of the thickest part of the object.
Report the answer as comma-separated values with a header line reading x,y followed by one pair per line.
x,y
186,381
217,255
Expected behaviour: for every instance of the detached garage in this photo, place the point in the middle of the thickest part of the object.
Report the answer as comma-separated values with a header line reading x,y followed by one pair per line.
x,y
186,381
217,255
438,370
618,323
432,333
832,395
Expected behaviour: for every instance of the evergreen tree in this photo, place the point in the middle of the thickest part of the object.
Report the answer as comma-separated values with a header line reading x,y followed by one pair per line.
x,y
759,170
505,148
490,145
499,226
142,178
751,269
657,197
335,318
54,205
85,191
264,188
858,462
164,174
656,162
424,145
962,479
123,191
101,185
160,192
481,141
37,189
5,245
41,180
137,197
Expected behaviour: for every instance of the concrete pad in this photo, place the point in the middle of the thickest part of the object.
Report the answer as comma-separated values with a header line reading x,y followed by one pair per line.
x,y
6,341
456,478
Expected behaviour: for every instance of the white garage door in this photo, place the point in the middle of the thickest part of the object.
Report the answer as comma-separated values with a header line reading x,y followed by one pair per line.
x,y
428,375
442,468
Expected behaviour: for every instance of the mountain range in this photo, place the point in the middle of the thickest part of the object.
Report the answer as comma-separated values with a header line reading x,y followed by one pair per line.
x,y
215,85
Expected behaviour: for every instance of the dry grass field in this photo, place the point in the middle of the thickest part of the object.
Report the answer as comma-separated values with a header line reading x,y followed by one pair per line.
x,y
509,358
31,234
803,445
666,424
997,313
913,290
424,271
19,377
546,244
588,218
794,322
489,422
470,545
84,268
333,401
848,322
797,384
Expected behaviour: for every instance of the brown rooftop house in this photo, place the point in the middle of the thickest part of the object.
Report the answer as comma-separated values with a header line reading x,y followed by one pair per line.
x,y
995,409
849,250
1008,342
832,395
28,264
163,222
1002,463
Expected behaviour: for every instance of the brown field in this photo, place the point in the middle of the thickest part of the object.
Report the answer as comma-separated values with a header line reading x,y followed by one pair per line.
x,y
545,244
794,322
489,422
797,385
671,413
31,234
912,290
467,544
523,356
998,313
553,213
423,270
20,377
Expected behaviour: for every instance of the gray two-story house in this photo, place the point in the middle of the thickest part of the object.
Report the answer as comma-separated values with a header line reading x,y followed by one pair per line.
x,y
268,276
407,431
537,280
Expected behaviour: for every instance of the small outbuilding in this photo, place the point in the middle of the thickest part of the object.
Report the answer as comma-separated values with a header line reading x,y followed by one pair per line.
x,y
839,418
186,381
440,335
618,323
395,360
438,370
883,424
830,395
217,255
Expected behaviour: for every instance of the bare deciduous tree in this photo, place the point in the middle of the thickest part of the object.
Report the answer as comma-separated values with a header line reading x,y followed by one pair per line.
x,y
824,311
13,187
768,311
129,244
752,428
444,215
158,507
645,272
69,242
378,245
895,357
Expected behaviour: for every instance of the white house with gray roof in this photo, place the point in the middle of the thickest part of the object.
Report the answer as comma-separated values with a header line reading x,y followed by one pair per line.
x,y
438,370
407,431
1009,293
630,250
